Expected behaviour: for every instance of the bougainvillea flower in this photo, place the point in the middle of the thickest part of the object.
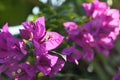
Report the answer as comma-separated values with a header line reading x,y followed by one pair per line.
x,y
104,29
77,35
113,18
42,40
45,62
72,54
81,38
96,8
34,29
10,49
23,71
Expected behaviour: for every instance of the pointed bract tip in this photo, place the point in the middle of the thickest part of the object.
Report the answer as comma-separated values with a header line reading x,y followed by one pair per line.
x,y
5,28
41,20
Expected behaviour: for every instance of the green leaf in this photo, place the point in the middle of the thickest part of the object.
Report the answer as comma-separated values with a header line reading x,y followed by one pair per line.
x,y
60,55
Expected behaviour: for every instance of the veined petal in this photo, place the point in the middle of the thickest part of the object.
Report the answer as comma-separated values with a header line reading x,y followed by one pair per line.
x,y
40,27
39,48
41,20
27,25
45,62
88,7
39,30
53,39
53,59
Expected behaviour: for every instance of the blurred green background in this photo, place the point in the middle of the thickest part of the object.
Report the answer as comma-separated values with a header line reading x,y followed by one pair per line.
x,y
56,12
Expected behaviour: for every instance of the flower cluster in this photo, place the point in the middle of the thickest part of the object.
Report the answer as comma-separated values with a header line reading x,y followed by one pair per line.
x,y
99,33
14,54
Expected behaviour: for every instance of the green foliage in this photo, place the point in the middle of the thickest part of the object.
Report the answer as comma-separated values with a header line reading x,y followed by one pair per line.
x,y
16,11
